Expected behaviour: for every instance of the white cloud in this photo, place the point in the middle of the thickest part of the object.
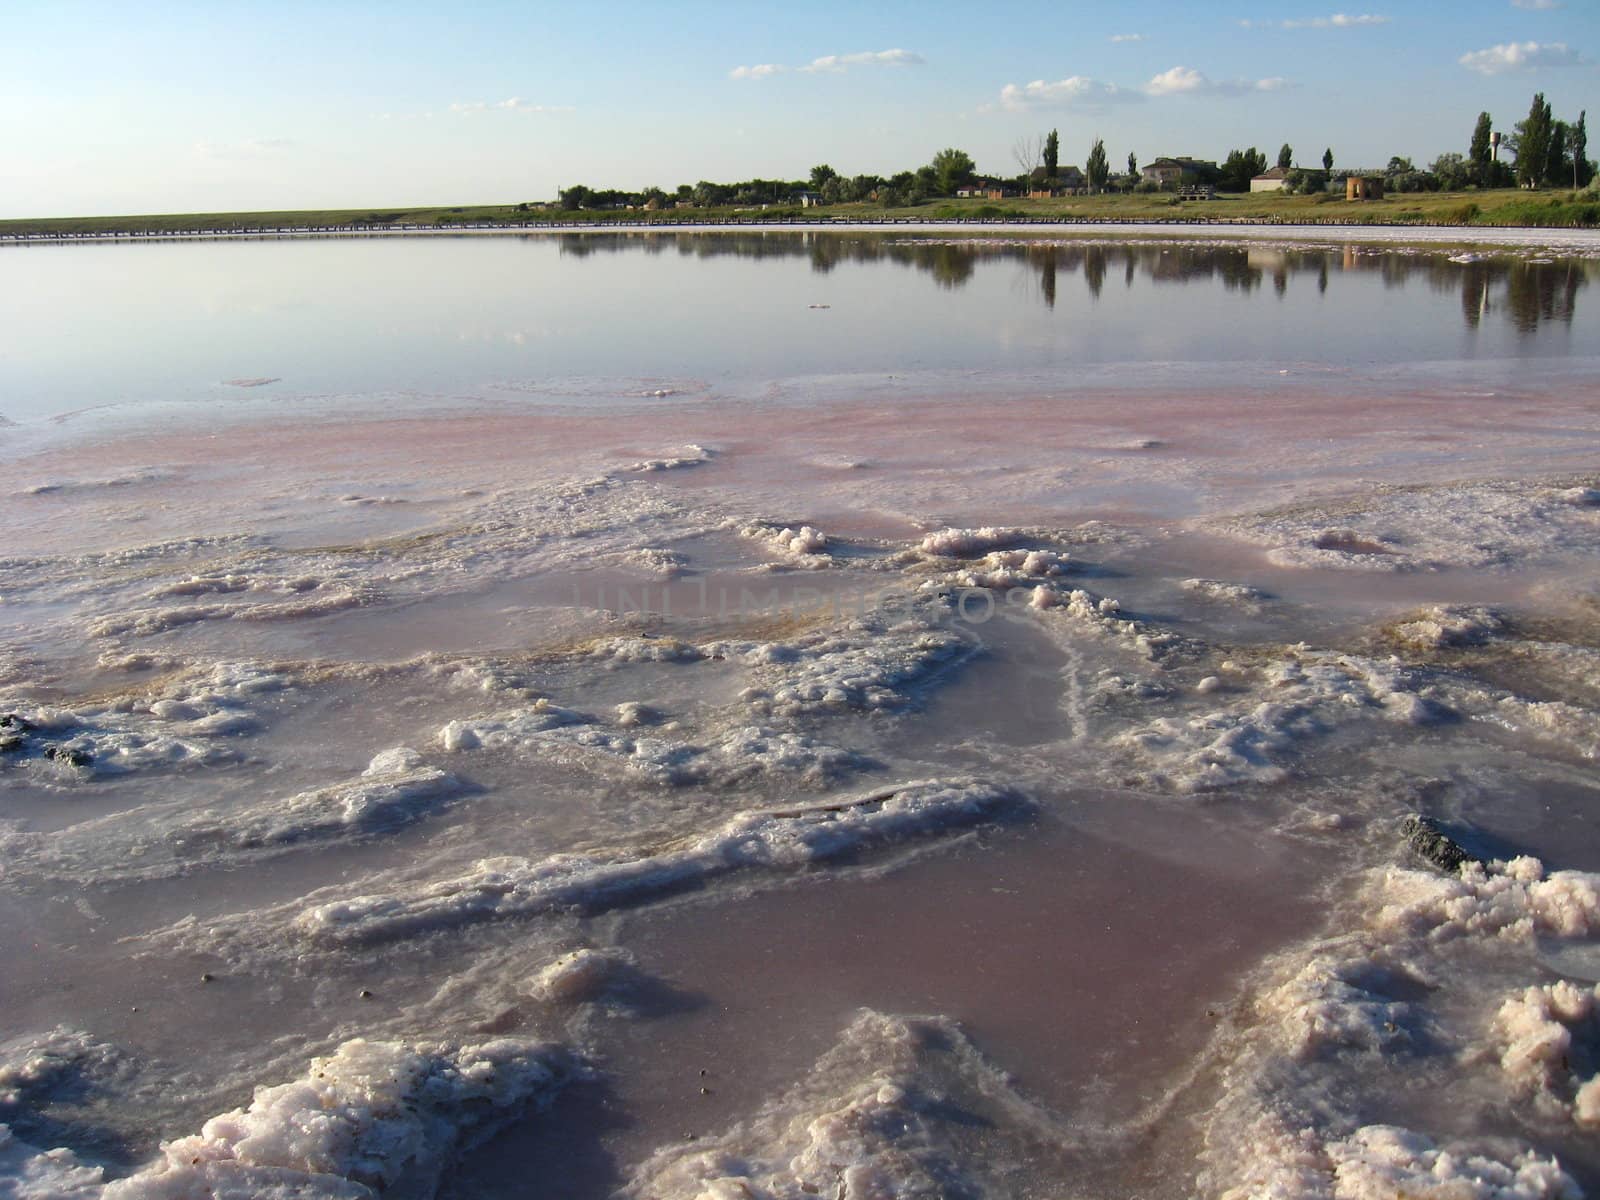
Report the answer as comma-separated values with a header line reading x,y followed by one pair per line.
x,y
513,104
1076,90
1521,56
1127,37
835,63
1336,21
1538,5
1186,81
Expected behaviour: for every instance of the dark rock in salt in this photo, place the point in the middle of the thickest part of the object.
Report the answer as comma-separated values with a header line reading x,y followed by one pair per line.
x,y
14,722
1427,840
11,743
70,755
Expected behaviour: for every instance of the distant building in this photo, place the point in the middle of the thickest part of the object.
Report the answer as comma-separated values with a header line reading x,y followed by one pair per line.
x,y
984,188
1174,172
1363,187
1068,181
1270,181
809,199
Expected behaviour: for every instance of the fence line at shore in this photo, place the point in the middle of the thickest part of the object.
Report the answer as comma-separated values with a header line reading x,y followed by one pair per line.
x,y
93,235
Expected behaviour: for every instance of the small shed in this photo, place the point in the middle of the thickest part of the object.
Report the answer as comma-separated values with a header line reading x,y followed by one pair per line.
x,y
1270,181
1363,187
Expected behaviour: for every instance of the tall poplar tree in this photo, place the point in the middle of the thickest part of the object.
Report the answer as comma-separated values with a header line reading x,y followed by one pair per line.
x,y
1580,149
1097,168
1480,152
1533,143
1557,167
1052,154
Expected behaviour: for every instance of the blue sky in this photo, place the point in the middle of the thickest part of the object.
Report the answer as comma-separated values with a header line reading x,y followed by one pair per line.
x,y
159,107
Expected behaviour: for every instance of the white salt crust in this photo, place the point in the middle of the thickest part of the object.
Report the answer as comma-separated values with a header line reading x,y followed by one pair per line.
x,y
690,455
871,663
804,546
761,839
29,1173
1540,1032
901,1107
297,603
1002,569
576,977
728,758
1279,709
1279,1127
1486,524
372,1119
967,543
194,720
1240,595
1445,626
396,789
32,1067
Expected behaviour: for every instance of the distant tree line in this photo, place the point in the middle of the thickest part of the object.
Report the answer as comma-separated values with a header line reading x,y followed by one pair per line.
x,y
1545,152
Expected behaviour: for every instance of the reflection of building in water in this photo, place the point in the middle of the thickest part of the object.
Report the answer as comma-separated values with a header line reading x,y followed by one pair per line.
x,y
1267,260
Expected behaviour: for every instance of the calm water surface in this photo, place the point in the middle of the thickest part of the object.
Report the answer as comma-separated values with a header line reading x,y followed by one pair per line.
x,y
598,317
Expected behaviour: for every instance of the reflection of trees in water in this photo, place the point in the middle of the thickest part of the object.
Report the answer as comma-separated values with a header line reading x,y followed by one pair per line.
x,y
1542,292
1047,275
1528,293
1094,269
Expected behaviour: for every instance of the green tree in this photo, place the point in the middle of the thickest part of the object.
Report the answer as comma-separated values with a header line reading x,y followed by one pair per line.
x,y
1052,154
820,174
1580,150
1285,156
862,187
1240,168
951,168
1481,151
1133,163
1533,143
1097,170
1453,171
574,197
1557,168
1327,159
707,194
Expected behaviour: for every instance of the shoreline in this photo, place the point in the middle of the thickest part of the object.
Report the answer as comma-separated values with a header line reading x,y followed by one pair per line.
x,y
1399,233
